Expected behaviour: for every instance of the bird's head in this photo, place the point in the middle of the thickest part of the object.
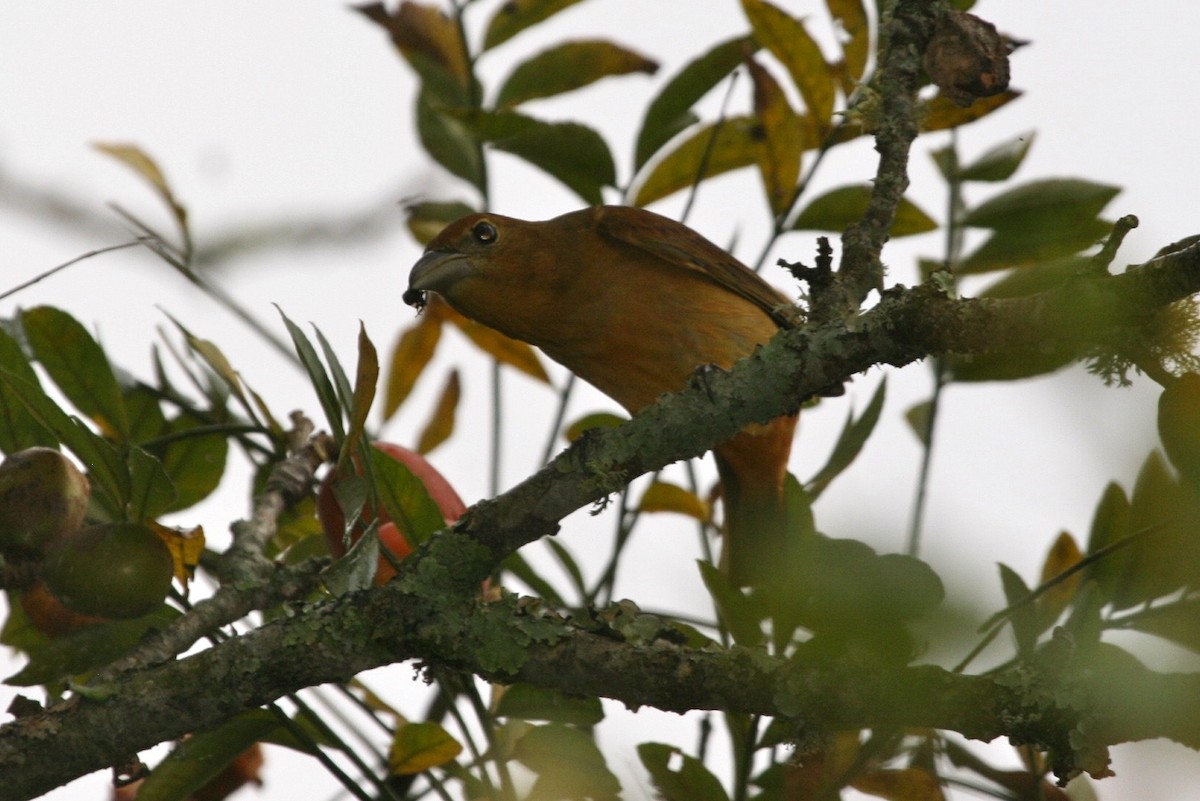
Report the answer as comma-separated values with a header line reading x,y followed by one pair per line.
x,y
471,253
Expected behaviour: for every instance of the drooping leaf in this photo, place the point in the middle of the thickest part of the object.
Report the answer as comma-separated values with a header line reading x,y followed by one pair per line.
x,y
838,209
199,759
19,429
426,220
999,162
569,66
573,153
419,746
441,423
712,150
528,702
663,496
783,139
854,435
136,159
789,41
670,111
503,349
78,366
514,16
691,781
855,37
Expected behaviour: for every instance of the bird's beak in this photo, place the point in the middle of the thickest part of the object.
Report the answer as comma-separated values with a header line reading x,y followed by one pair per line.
x,y
435,271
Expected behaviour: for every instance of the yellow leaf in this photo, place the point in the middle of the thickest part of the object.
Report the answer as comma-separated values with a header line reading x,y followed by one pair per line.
x,y
441,423
789,41
783,139
186,547
417,747
910,784
593,420
712,150
662,496
501,348
941,112
1063,555
137,159
413,351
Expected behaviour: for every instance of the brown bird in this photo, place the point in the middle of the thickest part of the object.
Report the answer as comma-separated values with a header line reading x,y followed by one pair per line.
x,y
632,302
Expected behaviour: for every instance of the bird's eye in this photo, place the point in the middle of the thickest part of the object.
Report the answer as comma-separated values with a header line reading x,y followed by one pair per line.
x,y
484,232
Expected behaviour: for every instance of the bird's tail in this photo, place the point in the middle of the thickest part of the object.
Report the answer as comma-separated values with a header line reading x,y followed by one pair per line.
x,y
753,466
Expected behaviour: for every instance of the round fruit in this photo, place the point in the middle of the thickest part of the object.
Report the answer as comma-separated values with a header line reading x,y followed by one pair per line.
x,y
117,570
333,521
43,497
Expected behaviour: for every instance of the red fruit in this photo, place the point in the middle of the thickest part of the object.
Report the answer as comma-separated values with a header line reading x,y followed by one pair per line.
x,y
49,616
333,521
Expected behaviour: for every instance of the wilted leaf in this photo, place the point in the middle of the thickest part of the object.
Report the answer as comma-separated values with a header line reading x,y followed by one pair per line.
x,y
137,159
414,349
186,547
432,44
702,156
662,496
569,66
838,209
670,112
78,365
514,16
417,747
783,140
1000,162
692,781
441,422
789,41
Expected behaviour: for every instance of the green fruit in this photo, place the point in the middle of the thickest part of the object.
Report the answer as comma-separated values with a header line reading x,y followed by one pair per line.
x,y
43,497
116,570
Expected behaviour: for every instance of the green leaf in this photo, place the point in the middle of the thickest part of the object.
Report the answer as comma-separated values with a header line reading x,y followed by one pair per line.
x,y
317,376
426,220
417,747
520,569
405,498
1037,277
838,209
789,41
1041,239
432,44
1000,162
692,781
568,563
194,461
1167,554
599,420
1061,199
1178,622
670,111
854,435
514,16
1110,523
917,418
568,151
106,469
78,365
366,379
741,614
19,429
567,67
568,763
448,141
151,492
527,702
196,761
710,151
1024,617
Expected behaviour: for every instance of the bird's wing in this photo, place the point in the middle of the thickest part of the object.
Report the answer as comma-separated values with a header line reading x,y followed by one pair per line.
x,y
679,245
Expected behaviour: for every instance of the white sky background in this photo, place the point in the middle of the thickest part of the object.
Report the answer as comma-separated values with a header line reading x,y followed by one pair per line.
x,y
272,111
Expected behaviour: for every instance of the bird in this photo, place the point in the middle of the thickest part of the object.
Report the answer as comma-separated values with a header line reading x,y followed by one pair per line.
x,y
634,303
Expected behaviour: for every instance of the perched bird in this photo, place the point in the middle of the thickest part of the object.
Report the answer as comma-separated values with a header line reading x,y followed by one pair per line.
x,y
633,303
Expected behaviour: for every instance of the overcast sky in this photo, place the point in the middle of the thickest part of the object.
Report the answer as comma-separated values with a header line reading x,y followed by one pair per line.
x,y
275,111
